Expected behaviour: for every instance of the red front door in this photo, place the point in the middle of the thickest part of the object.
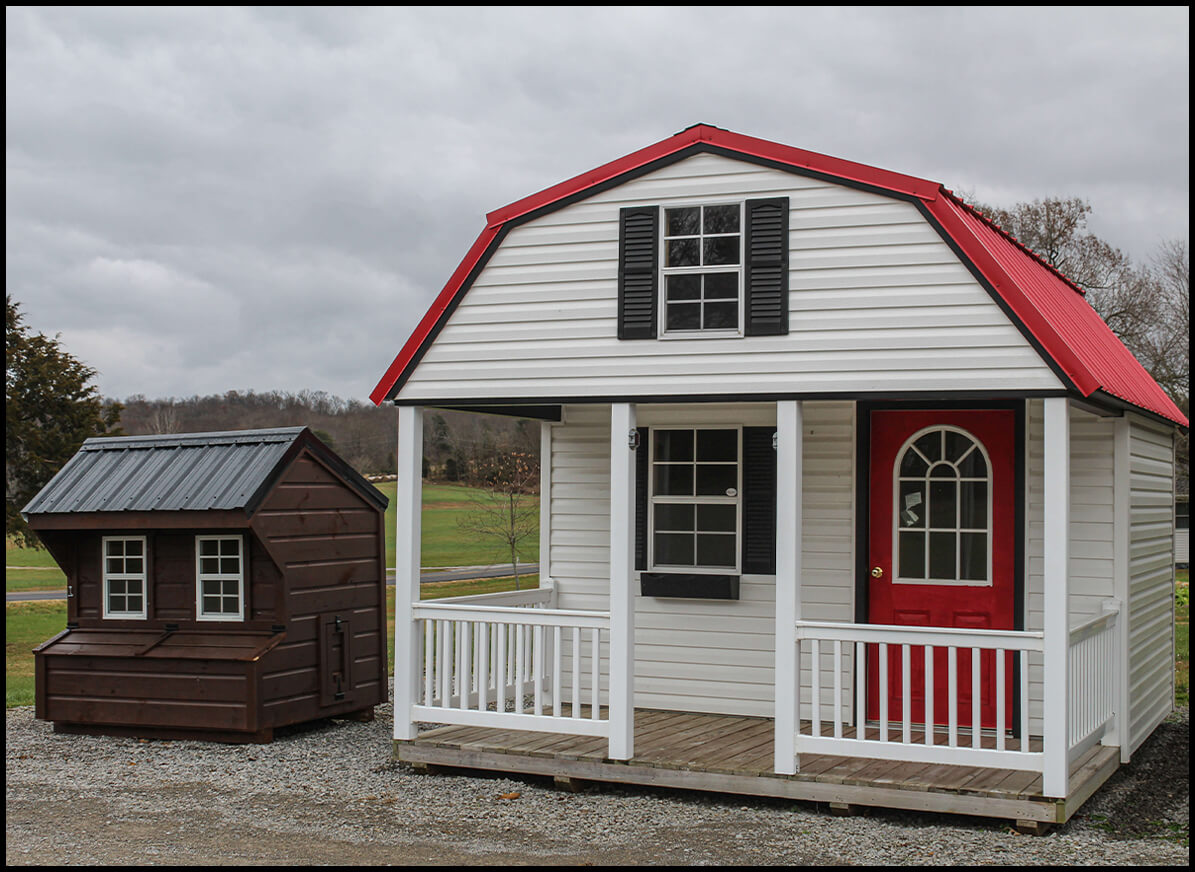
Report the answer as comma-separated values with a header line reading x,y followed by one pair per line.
x,y
941,547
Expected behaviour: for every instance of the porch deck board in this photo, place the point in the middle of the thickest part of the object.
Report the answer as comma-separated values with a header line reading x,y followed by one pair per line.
x,y
733,754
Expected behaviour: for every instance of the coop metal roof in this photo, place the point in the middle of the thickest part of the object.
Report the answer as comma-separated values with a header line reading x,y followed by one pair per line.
x,y
173,472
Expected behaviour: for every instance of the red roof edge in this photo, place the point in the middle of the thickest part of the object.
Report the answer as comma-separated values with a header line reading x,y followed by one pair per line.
x,y
735,142
425,326
1025,248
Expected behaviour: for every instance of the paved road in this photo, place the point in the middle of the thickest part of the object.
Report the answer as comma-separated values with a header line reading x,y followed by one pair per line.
x,y
426,575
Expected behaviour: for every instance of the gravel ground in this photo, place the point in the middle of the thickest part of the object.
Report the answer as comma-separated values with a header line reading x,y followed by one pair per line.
x,y
331,795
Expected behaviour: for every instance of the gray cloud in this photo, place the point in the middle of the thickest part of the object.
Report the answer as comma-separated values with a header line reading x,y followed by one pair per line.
x,y
203,200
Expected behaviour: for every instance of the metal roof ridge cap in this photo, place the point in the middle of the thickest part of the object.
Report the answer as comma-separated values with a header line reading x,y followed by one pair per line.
x,y
923,189
269,434
609,170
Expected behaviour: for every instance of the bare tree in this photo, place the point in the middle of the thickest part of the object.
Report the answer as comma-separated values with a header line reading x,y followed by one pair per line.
x,y
165,419
1148,307
504,509
1056,230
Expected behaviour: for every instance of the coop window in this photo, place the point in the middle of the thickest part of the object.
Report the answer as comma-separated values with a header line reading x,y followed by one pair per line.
x,y
220,574
124,577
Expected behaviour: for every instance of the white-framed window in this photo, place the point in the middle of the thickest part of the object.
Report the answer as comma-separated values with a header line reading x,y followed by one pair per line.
x,y
695,506
702,270
942,513
125,577
219,578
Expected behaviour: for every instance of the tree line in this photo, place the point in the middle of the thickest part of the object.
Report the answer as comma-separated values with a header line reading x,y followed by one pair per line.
x,y
457,446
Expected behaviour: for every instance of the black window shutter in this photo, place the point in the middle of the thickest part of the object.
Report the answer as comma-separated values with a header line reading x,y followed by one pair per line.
x,y
759,501
766,267
642,471
638,271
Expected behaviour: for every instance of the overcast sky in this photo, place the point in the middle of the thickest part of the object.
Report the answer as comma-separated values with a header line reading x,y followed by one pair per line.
x,y
204,200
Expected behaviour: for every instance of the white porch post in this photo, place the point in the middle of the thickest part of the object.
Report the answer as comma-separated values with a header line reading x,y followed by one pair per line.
x,y
545,505
1121,487
409,511
1056,623
622,576
788,582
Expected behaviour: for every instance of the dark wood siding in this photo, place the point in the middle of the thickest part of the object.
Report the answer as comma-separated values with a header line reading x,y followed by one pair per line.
x,y
312,644
171,579
330,545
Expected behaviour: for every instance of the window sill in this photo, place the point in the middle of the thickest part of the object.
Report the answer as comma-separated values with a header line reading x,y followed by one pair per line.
x,y
689,585
701,334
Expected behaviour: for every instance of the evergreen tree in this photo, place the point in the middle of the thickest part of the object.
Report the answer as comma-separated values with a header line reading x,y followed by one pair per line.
x,y
50,407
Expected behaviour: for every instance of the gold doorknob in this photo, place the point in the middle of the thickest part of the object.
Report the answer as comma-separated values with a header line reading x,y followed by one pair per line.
x,y
877,572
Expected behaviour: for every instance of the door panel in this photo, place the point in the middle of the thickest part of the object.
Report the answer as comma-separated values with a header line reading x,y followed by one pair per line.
x,y
941,547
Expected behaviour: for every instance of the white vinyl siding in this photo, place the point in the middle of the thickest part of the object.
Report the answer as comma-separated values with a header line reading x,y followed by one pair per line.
x,y
877,302
1092,567
1151,578
705,655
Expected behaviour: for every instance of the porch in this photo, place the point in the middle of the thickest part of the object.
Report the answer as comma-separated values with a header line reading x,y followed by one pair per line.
x,y
520,686
728,754
559,681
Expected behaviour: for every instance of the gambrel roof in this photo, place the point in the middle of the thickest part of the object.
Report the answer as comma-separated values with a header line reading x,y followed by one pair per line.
x,y
1048,309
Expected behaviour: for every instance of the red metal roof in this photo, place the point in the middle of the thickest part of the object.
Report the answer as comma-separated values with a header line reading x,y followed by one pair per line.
x,y
1046,303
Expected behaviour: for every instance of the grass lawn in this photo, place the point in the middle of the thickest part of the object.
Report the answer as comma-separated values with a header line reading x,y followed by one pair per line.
x,y
442,543
30,569
1182,639
27,625
15,555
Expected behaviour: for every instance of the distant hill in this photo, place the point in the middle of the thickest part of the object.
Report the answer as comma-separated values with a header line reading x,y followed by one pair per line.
x,y
457,445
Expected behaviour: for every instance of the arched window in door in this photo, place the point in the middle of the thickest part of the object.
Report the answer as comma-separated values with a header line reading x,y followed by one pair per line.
x,y
943,512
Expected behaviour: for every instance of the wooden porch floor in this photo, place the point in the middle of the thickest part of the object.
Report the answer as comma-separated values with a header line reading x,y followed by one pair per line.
x,y
730,754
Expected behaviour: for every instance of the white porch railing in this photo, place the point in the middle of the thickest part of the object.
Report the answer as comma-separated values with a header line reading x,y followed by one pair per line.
x,y
824,728
484,657
1092,676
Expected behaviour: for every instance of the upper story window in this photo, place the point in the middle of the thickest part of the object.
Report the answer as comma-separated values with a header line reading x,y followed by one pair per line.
x,y
124,577
702,272
713,269
220,578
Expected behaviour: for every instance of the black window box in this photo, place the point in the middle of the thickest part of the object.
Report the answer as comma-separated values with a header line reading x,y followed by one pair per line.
x,y
689,585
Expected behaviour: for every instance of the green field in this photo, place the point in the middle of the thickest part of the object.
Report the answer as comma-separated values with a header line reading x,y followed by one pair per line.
x,y
27,625
1182,638
443,544
30,569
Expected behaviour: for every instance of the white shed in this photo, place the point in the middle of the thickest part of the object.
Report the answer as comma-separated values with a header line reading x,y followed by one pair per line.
x,y
847,496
